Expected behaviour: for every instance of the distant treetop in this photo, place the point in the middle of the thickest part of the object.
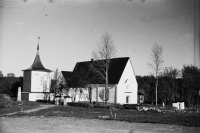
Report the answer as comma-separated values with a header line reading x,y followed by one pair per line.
x,y
10,75
1,75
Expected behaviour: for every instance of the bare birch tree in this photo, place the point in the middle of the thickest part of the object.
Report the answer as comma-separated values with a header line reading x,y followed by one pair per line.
x,y
102,55
58,83
156,63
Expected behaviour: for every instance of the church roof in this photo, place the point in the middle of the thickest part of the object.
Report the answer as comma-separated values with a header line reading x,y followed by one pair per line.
x,y
67,74
37,64
116,69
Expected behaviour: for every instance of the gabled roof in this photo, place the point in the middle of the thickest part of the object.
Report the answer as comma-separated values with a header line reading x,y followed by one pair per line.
x,y
67,74
117,66
37,64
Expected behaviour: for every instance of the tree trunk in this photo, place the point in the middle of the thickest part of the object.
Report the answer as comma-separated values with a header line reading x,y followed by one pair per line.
x,y
106,89
90,94
156,90
54,94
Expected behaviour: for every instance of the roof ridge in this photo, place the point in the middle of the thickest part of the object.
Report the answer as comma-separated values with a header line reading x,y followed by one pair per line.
x,y
104,59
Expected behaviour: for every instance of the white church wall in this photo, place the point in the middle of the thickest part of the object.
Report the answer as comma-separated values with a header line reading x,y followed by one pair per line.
x,y
127,86
41,96
99,89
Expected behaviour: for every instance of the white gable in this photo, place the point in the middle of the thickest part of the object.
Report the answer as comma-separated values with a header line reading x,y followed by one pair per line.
x,y
127,88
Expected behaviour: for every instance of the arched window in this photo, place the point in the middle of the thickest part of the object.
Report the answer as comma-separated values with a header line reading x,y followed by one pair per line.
x,y
128,85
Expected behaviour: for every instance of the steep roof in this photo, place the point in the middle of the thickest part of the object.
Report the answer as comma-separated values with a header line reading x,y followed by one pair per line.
x,y
116,68
37,64
67,74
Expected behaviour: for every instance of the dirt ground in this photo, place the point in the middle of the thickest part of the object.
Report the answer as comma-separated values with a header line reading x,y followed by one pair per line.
x,y
72,125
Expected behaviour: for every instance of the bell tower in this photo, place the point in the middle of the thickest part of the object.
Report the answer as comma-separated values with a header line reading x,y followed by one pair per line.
x,y
37,80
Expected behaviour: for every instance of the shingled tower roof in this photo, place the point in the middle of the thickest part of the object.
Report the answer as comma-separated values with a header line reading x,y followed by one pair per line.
x,y
37,64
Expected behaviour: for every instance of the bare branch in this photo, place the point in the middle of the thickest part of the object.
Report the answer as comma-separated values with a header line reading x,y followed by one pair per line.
x,y
102,55
156,60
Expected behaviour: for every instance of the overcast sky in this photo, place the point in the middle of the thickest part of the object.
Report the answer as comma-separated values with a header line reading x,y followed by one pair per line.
x,y
70,29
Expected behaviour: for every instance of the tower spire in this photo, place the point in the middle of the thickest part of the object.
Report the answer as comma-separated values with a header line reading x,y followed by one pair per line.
x,y
37,64
38,43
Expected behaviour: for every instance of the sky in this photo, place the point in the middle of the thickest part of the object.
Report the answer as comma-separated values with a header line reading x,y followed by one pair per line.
x,y
70,30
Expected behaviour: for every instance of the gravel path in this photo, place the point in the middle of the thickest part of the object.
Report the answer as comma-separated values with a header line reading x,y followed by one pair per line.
x,y
45,106
72,125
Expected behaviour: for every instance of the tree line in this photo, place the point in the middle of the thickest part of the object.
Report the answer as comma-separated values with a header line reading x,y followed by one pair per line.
x,y
173,85
9,85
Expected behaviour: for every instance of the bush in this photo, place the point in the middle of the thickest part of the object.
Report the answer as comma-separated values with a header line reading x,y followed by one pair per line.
x,y
78,104
117,106
102,106
45,101
130,106
87,105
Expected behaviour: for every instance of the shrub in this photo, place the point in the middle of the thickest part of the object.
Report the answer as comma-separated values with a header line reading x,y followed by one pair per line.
x,y
45,101
130,106
78,104
117,106
102,106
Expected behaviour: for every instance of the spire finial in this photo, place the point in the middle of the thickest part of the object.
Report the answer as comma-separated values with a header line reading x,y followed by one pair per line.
x,y
38,43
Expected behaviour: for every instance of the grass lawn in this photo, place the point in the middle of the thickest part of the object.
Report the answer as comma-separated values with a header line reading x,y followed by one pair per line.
x,y
176,118
11,110
16,106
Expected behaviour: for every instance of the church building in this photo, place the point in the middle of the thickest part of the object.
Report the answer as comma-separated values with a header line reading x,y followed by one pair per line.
x,y
122,84
37,81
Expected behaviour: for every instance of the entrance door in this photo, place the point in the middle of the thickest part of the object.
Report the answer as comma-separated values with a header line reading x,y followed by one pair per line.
x,y
127,99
